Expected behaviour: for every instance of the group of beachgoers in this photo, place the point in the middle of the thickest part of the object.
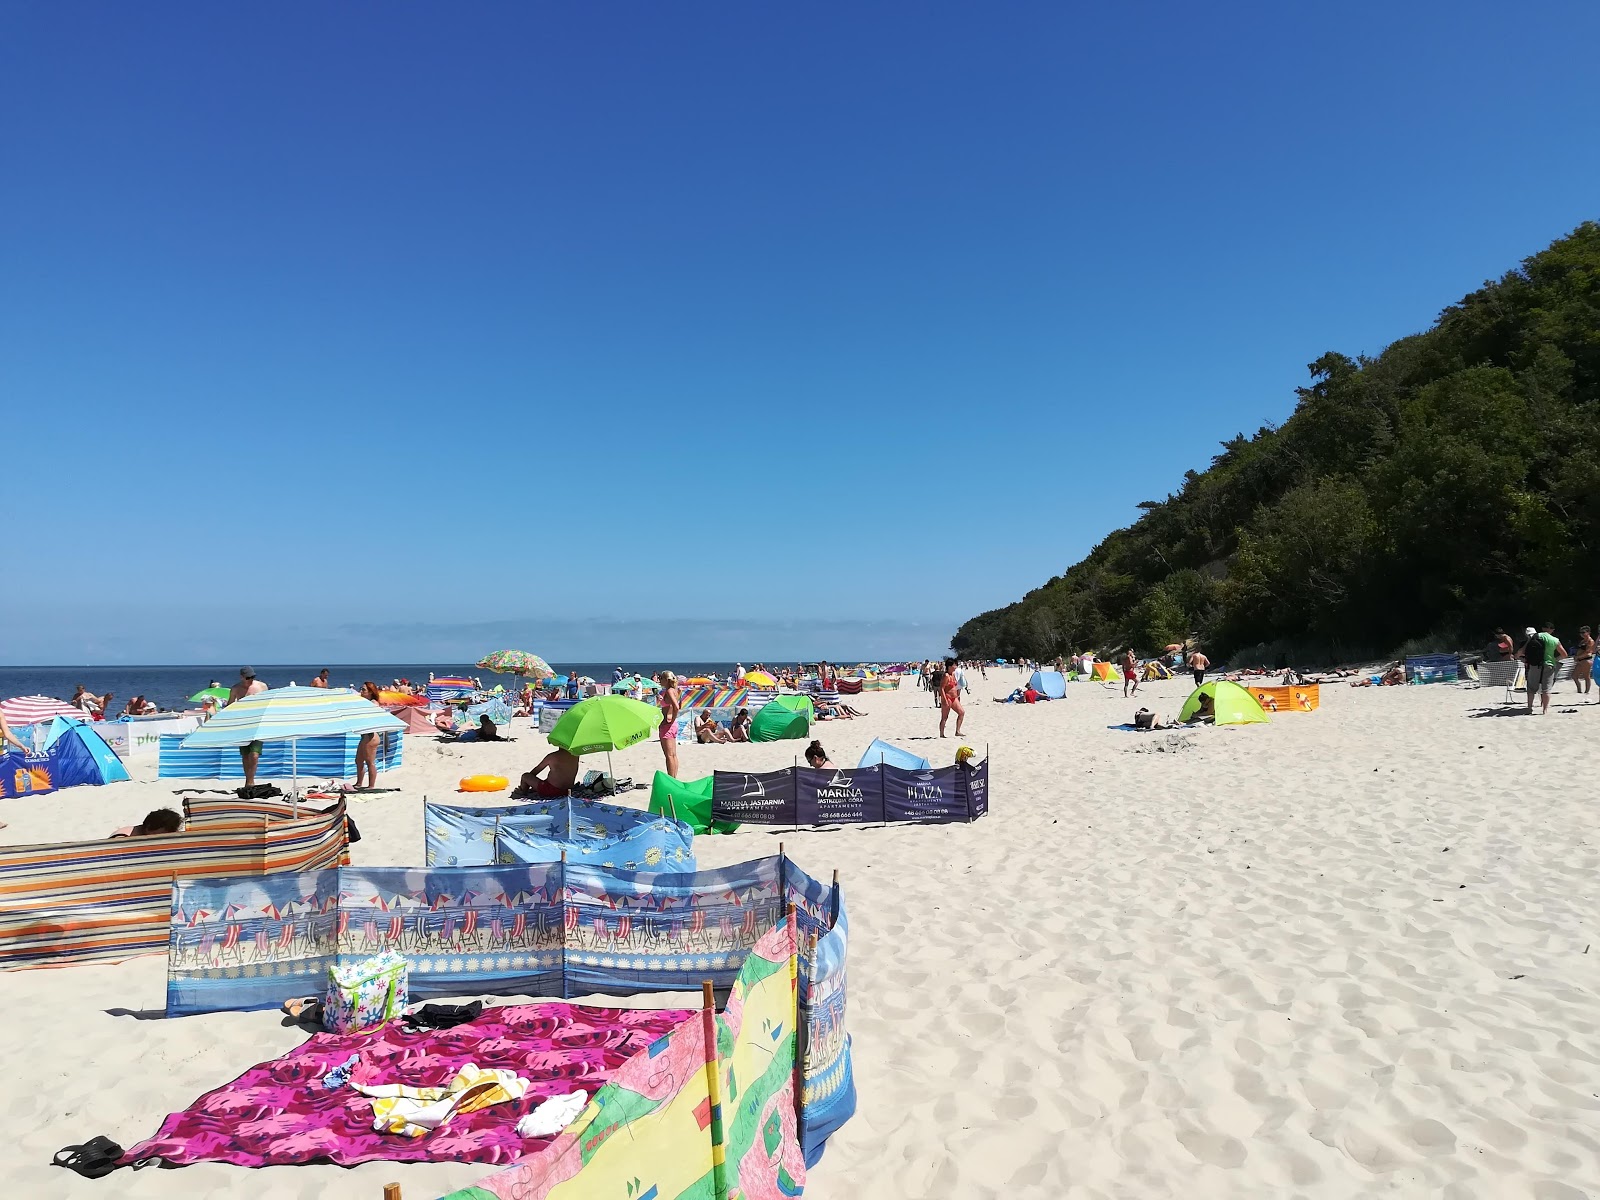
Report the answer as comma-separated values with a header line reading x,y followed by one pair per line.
x,y
1541,655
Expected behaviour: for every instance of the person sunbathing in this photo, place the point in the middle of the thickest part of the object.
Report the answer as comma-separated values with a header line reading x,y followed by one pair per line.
x,y
1206,713
158,821
560,768
488,731
740,730
708,732
817,757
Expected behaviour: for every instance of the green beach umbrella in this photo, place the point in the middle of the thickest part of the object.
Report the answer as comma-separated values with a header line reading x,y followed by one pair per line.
x,y
218,693
605,723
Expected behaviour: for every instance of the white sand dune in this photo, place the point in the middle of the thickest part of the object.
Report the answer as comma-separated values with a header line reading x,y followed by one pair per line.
x,y
1348,954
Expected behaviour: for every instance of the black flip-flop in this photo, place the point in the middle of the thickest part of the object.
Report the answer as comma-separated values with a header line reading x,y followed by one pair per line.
x,y
96,1157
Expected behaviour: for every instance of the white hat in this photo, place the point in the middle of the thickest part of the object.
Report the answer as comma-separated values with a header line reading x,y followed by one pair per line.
x,y
1529,631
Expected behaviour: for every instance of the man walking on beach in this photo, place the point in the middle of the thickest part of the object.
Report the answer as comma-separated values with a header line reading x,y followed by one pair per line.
x,y
249,753
1130,672
1542,655
1198,663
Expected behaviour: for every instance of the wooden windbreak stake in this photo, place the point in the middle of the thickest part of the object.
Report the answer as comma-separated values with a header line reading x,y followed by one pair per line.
x,y
391,1191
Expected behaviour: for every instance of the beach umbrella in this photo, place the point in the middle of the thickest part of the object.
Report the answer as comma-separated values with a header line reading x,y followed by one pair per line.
x,y
760,679
29,710
605,723
394,699
698,680
516,662
219,694
290,714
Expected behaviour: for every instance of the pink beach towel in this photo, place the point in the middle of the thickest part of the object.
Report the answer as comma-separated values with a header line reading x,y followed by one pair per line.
x,y
278,1112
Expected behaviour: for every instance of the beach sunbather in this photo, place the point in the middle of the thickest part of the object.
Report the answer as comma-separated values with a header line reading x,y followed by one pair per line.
x,y
560,770
160,820
741,725
817,757
708,732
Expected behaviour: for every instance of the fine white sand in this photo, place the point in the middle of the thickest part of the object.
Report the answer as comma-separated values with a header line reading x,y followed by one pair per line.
x,y
1348,954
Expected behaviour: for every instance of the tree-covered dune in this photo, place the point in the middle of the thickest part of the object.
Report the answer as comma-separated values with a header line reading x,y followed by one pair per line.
x,y
1449,485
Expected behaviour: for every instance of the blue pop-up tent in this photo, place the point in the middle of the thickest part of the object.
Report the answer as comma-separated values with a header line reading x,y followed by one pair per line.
x,y
887,752
78,754
1049,683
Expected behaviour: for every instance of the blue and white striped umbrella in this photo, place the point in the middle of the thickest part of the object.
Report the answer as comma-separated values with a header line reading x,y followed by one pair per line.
x,y
291,713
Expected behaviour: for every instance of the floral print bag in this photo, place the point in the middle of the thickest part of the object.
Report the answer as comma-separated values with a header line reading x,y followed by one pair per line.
x,y
366,993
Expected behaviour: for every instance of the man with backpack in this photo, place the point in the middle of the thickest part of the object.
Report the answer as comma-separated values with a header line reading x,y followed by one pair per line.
x,y
1541,659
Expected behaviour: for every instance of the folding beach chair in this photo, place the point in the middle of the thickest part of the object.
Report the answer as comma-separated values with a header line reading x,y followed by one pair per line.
x,y
1507,675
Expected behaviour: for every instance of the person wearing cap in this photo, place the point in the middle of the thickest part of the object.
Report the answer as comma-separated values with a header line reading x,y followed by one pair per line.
x,y
1541,657
250,752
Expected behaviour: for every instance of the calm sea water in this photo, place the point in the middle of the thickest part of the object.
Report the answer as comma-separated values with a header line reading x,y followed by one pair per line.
x,y
170,687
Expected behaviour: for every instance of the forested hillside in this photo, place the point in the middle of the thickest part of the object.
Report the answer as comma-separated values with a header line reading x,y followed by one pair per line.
x,y
1449,485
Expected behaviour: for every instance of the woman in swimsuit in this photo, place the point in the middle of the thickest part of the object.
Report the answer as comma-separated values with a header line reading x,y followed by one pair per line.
x,y
671,702
950,698
367,747
1583,661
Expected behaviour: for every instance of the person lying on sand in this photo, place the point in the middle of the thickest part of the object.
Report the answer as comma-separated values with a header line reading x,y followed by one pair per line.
x,y
161,820
561,771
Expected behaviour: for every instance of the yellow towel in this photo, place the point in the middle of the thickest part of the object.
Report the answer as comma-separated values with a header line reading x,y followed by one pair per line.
x,y
415,1111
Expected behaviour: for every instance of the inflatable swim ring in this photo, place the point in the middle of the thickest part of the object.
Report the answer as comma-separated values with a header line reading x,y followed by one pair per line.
x,y
485,783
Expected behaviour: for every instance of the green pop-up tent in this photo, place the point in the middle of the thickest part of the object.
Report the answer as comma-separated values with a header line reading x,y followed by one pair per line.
x,y
1234,705
688,800
782,718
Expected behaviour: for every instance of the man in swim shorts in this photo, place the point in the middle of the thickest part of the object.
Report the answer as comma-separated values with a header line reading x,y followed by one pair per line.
x,y
250,752
561,768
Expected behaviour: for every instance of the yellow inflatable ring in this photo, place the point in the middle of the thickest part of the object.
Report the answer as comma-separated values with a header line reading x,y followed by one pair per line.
x,y
485,783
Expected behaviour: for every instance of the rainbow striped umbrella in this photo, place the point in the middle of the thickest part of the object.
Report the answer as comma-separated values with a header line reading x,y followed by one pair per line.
x,y
29,710
515,662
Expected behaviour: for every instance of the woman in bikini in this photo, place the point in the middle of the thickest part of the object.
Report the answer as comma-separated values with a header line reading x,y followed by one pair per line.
x,y
671,702
1583,661
367,747
950,698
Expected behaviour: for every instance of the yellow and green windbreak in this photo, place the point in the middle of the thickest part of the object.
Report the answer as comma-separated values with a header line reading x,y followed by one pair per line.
x,y
684,1121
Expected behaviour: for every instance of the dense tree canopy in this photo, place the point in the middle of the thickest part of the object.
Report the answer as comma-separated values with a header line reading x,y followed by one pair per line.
x,y
1422,497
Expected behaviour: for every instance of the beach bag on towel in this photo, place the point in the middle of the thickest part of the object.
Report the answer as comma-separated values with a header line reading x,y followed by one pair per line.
x,y
367,993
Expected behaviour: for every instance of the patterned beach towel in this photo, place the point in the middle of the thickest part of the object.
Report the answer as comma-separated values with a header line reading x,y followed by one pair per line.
x,y
279,1112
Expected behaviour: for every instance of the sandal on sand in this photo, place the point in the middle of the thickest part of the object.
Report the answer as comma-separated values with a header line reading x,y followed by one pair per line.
x,y
304,1008
96,1157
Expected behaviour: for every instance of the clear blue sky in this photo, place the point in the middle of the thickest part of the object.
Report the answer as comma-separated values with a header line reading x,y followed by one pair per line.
x,y
396,326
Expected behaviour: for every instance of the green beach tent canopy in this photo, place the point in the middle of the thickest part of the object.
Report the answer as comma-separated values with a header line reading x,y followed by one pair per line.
x,y
1234,705
605,723
687,800
782,718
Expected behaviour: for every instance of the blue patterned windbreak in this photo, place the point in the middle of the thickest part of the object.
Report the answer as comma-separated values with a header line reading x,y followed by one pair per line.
x,y
587,831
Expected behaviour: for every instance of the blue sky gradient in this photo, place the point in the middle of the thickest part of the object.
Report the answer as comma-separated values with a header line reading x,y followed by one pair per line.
x,y
591,324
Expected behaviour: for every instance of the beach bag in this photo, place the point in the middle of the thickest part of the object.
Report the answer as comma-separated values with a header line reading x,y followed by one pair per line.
x,y
367,993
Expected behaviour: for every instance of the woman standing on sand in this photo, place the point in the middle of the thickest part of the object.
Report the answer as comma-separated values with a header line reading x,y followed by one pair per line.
x,y
950,698
671,702
367,747
1583,661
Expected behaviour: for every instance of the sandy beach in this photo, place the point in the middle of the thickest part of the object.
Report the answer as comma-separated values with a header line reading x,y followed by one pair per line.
x,y
1346,954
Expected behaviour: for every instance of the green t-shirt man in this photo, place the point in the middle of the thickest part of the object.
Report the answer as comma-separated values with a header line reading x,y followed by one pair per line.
x,y
1552,649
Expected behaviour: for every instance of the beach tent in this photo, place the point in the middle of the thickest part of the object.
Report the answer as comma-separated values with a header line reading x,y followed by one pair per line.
x,y
78,754
1234,705
894,756
415,720
687,800
785,718
1105,672
1156,669
1049,683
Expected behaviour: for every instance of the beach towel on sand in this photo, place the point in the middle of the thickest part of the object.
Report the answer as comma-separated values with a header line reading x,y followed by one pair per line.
x,y
278,1112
